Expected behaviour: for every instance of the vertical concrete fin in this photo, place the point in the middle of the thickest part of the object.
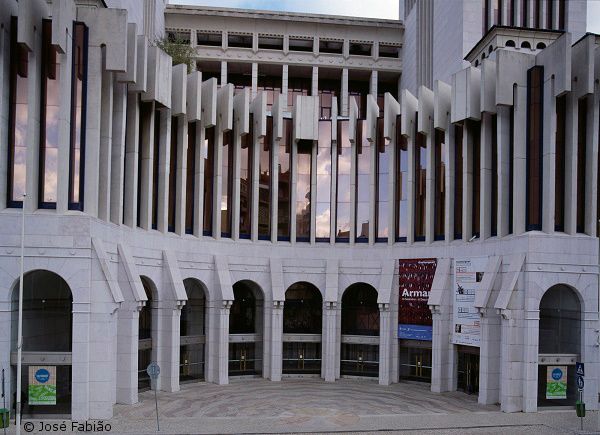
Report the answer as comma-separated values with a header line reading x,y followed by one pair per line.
x,y
391,110
132,274
372,115
352,118
509,281
277,285
277,112
484,290
441,104
386,280
440,284
174,277
223,277
113,285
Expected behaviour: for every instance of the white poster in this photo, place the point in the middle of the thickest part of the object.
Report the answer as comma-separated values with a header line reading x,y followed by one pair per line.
x,y
468,272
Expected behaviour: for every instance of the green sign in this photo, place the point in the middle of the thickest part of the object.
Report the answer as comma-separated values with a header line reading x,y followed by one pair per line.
x,y
556,382
42,385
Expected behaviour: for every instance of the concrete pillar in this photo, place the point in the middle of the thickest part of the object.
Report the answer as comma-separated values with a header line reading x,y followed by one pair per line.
x,y
32,136
329,341
104,163
549,158
276,356
385,324
373,84
218,370
284,85
430,183
164,158
441,350
64,134
344,99
181,176
146,142
410,184
489,359
254,89
503,128
511,363
467,181
130,193
315,81
5,341
530,359
128,320
519,159
119,128
80,357
168,347
485,177
589,355
223,69
449,193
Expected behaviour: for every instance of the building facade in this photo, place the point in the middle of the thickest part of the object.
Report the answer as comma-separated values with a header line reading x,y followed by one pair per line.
x,y
286,208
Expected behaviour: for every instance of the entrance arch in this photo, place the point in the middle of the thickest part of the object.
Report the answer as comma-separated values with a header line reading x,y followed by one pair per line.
x,y
360,331
302,329
246,330
559,341
192,331
47,339
146,352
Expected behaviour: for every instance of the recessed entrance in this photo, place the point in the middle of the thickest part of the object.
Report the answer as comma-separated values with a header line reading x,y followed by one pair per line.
x,y
193,333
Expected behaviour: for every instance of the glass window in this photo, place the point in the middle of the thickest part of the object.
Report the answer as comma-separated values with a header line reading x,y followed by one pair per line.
x,y
190,179
420,185
173,174
49,119
271,86
536,13
440,185
561,14
323,211
226,183
401,184
383,177
303,192
559,190
264,183
535,127
363,182
18,119
475,212
328,90
524,14
302,310
344,159
494,171
209,166
581,153
297,86
284,181
458,181
78,101
359,90
246,157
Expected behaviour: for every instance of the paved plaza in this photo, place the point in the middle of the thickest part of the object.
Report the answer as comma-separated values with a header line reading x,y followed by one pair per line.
x,y
348,405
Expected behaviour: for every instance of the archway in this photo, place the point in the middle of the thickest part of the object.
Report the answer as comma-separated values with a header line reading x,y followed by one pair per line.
x,y
192,340
47,344
360,331
146,326
246,330
302,329
559,345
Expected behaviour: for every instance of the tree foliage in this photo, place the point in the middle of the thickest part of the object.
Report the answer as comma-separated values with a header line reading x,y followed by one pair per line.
x,y
180,50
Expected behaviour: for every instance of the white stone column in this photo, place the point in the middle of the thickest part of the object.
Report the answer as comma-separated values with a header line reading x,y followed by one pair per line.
x,y
549,158
519,160
485,177
531,326
589,355
315,81
489,359
503,127
181,176
128,320
104,163
511,366
146,142
385,324
5,341
119,127
329,342
591,164
169,346
344,99
441,350
373,84
223,69
164,168
254,89
450,183
276,356
64,134
284,85
130,193
80,357
218,370
430,183
410,185
467,181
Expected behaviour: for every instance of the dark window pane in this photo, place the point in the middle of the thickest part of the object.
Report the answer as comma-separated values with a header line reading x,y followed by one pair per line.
x,y
173,174
190,180
303,191
458,180
209,166
226,183
246,153
401,183
559,188
475,127
284,181
534,148
581,153
363,182
264,182
440,185
302,311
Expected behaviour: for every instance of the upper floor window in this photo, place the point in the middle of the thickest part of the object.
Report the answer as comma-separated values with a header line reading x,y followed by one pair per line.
x,y
179,36
331,46
344,183
270,42
323,210
361,48
211,39
239,40
300,43
303,189
389,50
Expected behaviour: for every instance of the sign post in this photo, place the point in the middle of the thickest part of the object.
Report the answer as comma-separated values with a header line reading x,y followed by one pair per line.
x,y
153,371
580,405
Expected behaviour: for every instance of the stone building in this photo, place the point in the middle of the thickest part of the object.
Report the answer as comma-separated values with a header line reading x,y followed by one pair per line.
x,y
318,196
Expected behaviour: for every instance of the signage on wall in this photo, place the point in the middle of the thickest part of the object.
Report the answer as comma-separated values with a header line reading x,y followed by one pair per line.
x,y
468,272
556,382
42,385
415,277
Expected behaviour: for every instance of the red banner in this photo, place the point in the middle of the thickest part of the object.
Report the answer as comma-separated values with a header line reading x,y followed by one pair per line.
x,y
415,277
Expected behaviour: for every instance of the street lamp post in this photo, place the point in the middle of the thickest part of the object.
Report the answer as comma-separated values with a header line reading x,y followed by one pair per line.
x,y
20,324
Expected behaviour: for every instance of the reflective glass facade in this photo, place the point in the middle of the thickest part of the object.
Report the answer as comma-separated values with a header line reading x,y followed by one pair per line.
x,y
303,189
382,185
323,207
344,164
364,154
284,181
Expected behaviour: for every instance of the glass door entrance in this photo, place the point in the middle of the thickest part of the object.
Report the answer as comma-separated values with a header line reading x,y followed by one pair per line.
x,y
468,370
415,363
301,358
359,360
243,360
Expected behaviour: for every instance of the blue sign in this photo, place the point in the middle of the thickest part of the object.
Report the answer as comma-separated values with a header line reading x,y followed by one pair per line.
x,y
579,371
42,376
415,332
557,374
580,383
153,370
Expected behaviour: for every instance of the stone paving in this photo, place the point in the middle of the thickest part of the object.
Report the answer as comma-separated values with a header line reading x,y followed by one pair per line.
x,y
348,405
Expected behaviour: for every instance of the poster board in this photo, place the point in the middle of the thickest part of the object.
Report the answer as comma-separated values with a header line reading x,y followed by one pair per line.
x,y
468,273
415,277
42,385
556,382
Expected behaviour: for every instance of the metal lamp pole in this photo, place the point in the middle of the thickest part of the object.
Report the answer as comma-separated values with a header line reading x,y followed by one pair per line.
x,y
20,324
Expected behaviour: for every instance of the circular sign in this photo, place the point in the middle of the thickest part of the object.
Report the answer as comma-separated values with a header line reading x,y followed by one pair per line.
x,y
557,374
580,383
153,370
42,376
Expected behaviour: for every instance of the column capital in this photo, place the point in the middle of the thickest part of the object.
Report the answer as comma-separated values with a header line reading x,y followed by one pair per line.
x,y
278,305
384,306
226,304
330,305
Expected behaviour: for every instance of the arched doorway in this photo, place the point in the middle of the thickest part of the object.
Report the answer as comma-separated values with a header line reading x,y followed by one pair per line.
x,y
145,345
192,340
47,344
246,330
559,345
360,332
302,329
